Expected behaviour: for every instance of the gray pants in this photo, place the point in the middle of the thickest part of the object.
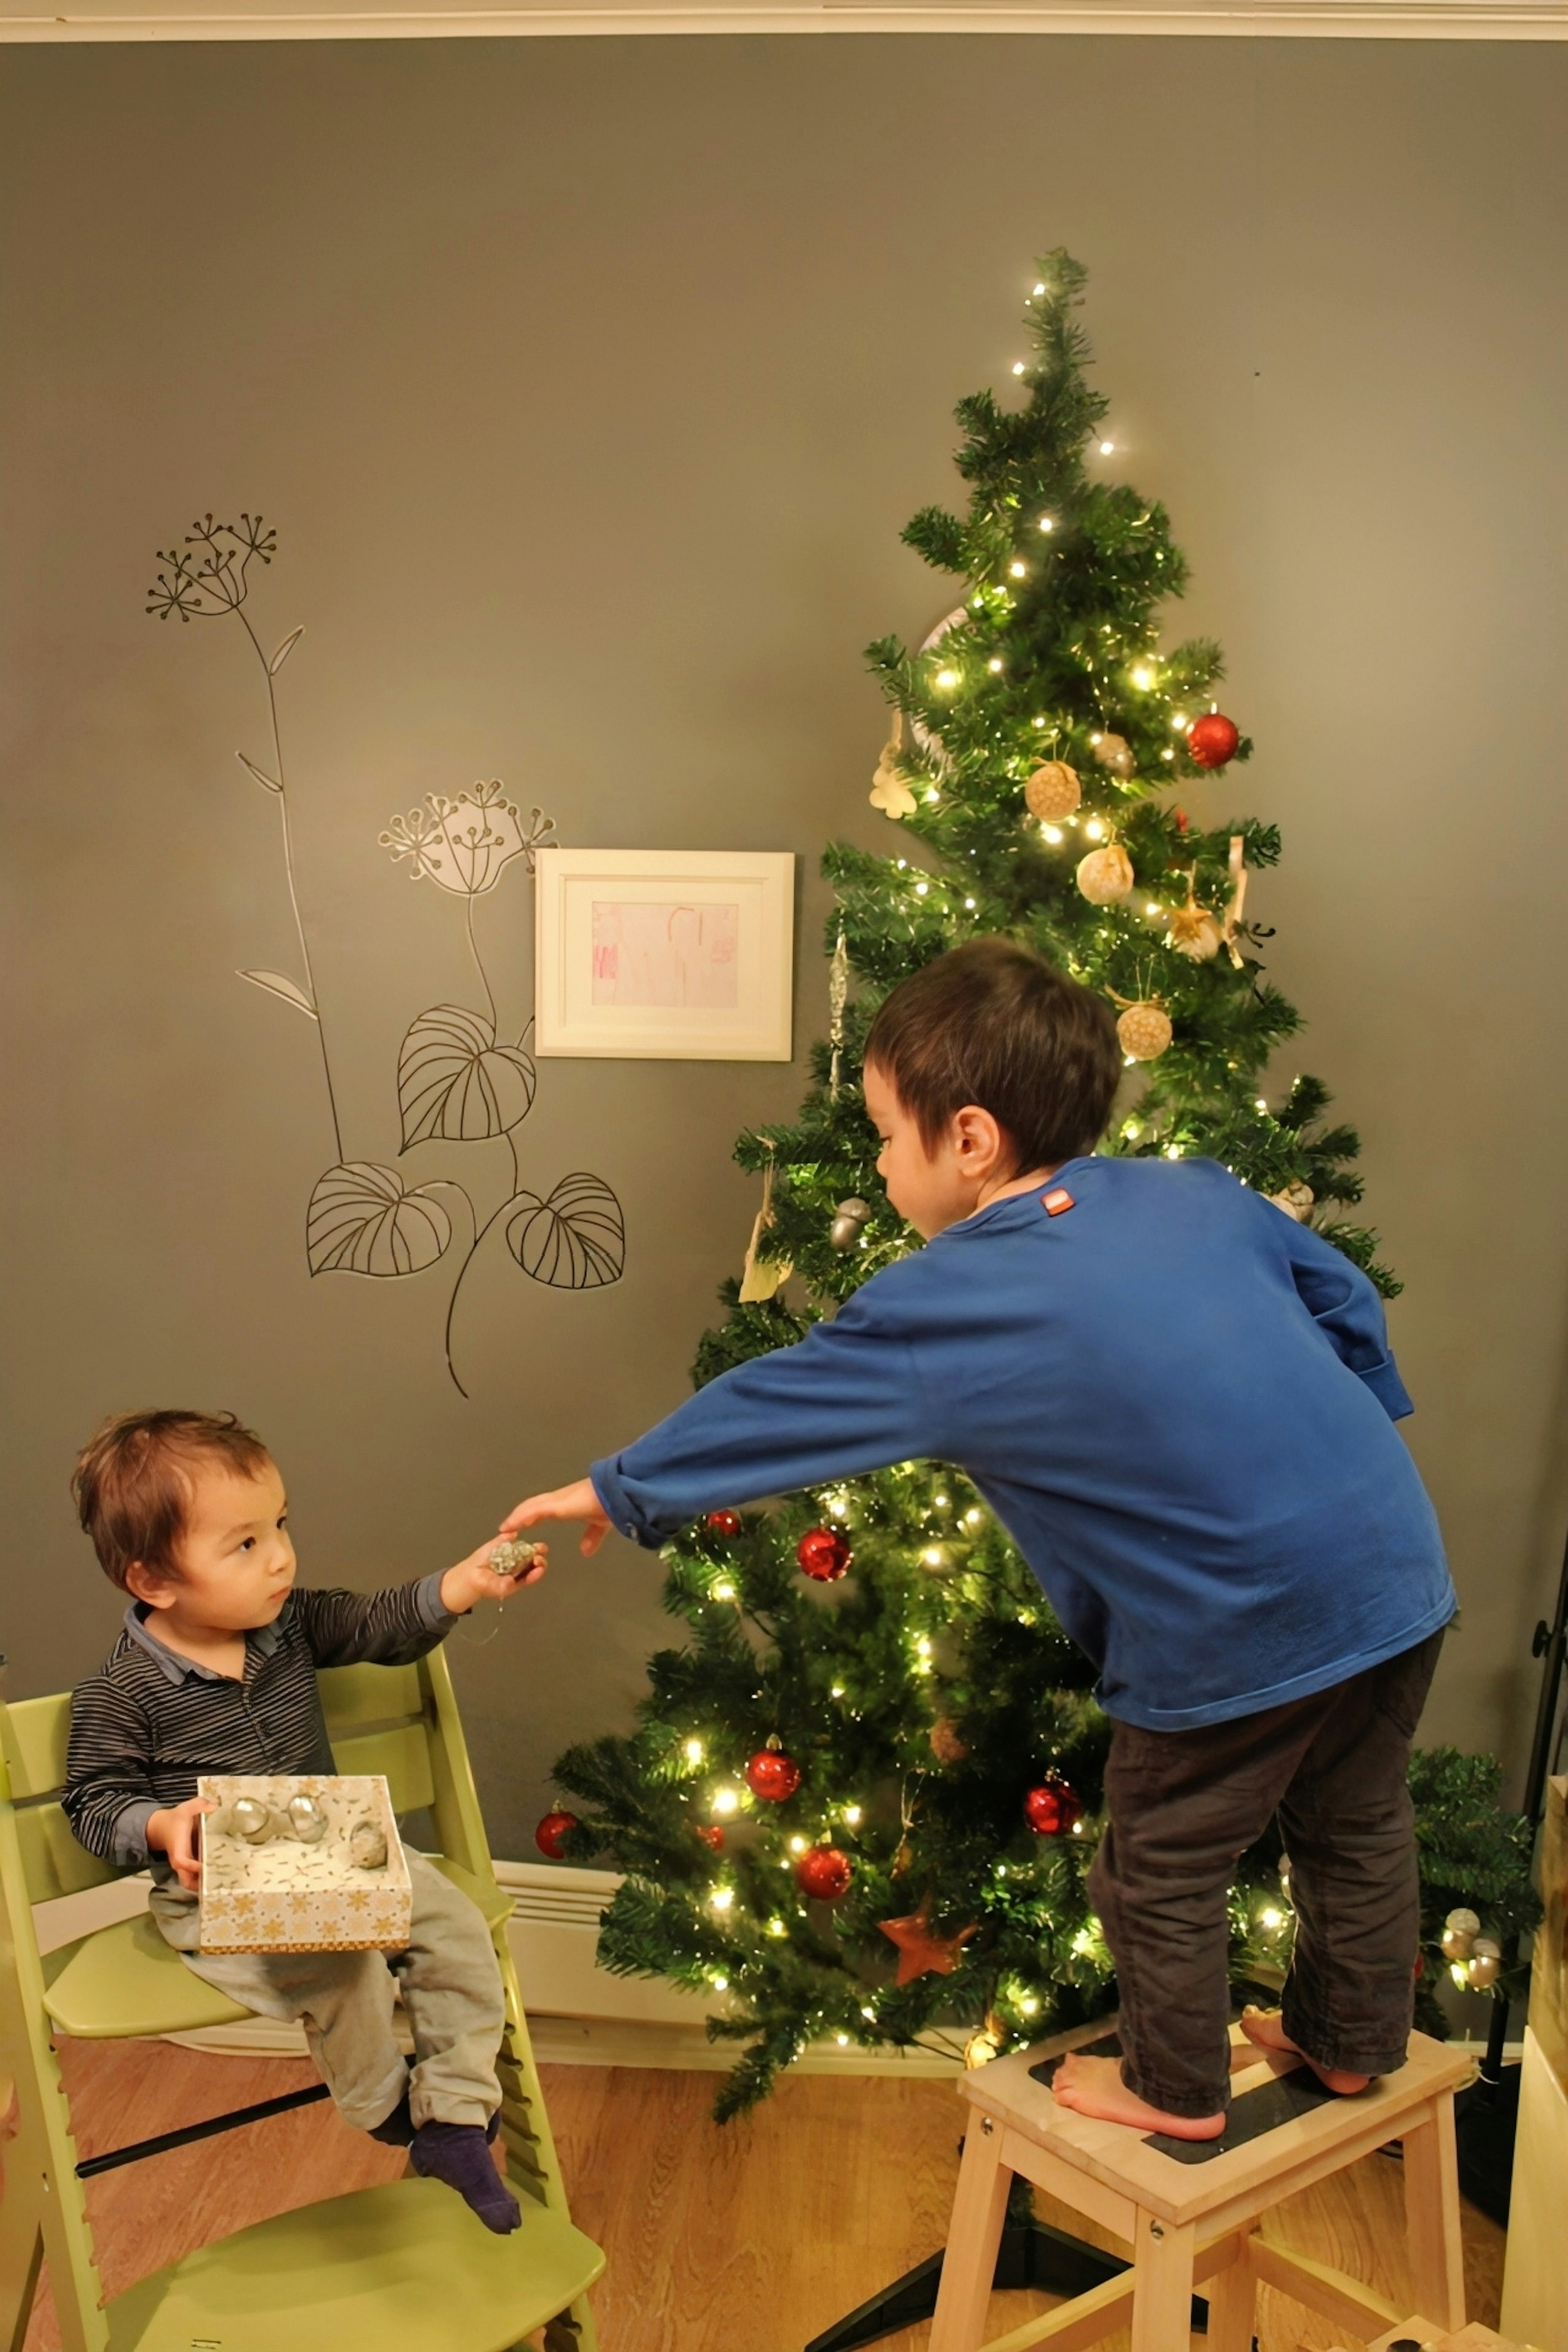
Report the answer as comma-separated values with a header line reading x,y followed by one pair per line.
x,y
451,1990
1185,1805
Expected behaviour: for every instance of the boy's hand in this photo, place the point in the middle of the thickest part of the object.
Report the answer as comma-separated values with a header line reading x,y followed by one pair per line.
x,y
173,1831
475,1580
576,1501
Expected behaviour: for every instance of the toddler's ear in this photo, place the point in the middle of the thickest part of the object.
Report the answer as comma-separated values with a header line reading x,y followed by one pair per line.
x,y
149,1584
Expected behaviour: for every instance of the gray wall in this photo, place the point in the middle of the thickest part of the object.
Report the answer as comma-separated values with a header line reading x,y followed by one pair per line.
x,y
589,384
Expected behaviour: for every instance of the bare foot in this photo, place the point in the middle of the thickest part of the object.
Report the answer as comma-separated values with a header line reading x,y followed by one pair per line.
x,y
1093,2086
1266,2028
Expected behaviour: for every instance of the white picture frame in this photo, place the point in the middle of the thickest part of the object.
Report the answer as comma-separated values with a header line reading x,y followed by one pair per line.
x,y
684,955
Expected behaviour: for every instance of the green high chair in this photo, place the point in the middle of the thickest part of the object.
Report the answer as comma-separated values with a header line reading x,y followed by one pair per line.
x,y
402,2268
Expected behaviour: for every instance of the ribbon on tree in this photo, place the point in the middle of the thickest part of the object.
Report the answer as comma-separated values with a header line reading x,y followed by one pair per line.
x,y
1237,896
762,1276
838,998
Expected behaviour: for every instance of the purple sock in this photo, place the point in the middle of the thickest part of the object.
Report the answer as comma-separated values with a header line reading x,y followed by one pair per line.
x,y
396,2129
459,2155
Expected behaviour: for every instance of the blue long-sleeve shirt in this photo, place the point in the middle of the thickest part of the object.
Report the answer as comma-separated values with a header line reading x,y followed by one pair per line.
x,y
1178,1400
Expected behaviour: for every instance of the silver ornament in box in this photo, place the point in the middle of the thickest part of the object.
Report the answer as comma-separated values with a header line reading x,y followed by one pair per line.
x,y
297,1861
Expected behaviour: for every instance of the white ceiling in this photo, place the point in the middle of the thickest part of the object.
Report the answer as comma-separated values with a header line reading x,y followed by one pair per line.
x,y
294,20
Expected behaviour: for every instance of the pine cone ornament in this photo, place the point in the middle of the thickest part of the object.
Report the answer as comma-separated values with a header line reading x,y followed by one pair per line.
x,y
1053,792
1106,874
1115,752
945,1744
850,1221
1145,1032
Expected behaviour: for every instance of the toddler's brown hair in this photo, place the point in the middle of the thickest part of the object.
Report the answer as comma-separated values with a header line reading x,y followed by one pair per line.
x,y
132,1485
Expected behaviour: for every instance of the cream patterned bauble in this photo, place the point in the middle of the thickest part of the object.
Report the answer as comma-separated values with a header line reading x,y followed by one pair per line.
x,y
1115,752
1105,876
1195,933
1296,1200
1144,1031
1053,792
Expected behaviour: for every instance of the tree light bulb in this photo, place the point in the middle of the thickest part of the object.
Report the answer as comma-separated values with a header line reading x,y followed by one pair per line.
x,y
852,1815
947,679
1178,723
842,2040
1048,522
1167,755
995,667
723,1590
1053,832
1038,291
836,1691
1018,569
1106,449
922,888
1017,367
1271,1918
777,1927
797,1845
1094,828
1152,907
1260,1104
1143,678
719,1984
694,1751
974,1518
866,2011
933,1556
922,1645
940,1502
721,1898
970,904
725,1800
1173,1150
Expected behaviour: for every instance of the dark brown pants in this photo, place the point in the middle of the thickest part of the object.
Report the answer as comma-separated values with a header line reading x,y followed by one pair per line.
x,y
1184,1805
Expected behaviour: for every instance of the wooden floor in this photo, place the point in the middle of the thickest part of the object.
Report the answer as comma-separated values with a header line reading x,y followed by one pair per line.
x,y
749,2238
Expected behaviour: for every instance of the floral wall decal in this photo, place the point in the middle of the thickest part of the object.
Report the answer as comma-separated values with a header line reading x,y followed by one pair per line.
x,y
457,1080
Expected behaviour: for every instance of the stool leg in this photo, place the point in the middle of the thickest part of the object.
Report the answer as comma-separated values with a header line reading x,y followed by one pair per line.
x,y
1432,2216
974,2232
1161,2285
1232,2295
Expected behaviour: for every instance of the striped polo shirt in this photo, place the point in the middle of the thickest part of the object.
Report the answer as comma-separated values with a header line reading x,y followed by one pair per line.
x,y
150,1720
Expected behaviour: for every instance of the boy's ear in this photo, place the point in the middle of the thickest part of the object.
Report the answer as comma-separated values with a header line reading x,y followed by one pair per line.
x,y
152,1585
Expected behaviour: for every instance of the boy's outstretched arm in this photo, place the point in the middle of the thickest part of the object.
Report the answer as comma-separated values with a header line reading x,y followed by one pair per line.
x,y
1346,1308
848,1398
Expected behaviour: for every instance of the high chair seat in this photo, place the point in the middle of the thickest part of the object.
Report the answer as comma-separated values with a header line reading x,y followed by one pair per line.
x,y
125,1981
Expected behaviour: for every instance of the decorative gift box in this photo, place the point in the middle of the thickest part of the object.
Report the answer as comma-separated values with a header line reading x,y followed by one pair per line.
x,y
299,1862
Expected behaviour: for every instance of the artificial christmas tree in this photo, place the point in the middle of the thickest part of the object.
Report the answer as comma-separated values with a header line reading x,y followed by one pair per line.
x,y
862,1798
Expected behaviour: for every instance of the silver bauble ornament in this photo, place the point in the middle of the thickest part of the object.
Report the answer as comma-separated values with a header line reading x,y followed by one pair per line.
x,y
1053,792
1106,874
1486,1963
849,1220
1115,752
251,1819
367,1845
307,1819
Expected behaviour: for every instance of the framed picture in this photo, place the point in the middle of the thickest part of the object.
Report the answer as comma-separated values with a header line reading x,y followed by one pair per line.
x,y
672,954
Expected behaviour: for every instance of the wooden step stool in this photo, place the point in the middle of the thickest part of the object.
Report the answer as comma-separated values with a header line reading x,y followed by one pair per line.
x,y
1428,2338
1187,2210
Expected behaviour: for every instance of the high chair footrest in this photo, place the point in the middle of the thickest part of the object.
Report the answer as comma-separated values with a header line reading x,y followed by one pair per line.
x,y
407,2265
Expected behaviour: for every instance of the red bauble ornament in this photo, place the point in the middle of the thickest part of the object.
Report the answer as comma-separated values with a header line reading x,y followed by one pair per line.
x,y
824,1873
773,1774
823,1554
1183,819
723,1523
549,1836
1051,1809
711,1834
1213,740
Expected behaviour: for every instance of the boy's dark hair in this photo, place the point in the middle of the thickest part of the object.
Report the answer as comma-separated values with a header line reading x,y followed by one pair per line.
x,y
992,1022
132,1485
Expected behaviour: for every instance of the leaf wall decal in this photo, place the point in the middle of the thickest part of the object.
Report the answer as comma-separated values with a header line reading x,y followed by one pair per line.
x,y
574,1239
284,650
361,1221
268,784
278,985
456,1083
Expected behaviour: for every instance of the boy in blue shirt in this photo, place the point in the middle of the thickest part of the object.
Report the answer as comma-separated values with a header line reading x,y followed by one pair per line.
x,y
1180,1402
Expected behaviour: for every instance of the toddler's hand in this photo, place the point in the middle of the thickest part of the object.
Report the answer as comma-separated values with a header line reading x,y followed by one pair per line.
x,y
579,1501
474,1580
173,1831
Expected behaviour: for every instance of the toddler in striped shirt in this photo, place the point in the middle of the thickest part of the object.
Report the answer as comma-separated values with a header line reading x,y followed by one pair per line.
x,y
214,1671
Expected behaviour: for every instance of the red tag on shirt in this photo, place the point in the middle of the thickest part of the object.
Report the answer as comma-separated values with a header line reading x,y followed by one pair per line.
x,y
1053,1203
